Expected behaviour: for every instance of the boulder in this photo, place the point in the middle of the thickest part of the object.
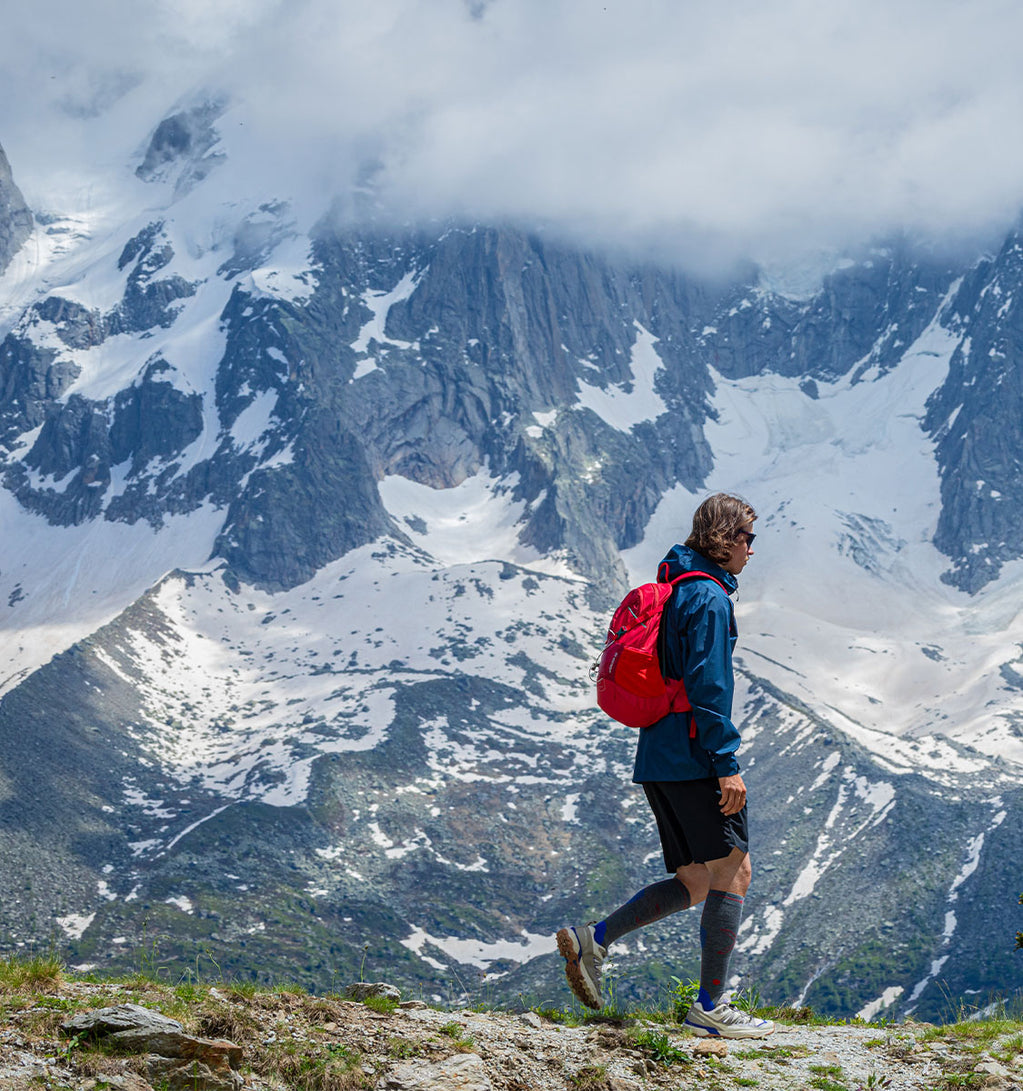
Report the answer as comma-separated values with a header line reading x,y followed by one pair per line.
x,y
463,1072
360,990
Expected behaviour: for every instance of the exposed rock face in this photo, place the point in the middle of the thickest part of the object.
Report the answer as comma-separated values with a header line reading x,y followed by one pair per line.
x,y
31,379
181,147
15,217
431,356
494,327
864,317
975,417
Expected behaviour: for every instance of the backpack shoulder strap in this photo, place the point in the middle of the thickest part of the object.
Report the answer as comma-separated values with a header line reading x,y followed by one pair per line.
x,y
693,574
662,576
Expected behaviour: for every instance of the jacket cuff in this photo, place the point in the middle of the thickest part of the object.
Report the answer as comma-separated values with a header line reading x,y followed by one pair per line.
x,y
725,765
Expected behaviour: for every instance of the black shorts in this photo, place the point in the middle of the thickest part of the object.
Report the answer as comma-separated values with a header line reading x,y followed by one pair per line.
x,y
690,822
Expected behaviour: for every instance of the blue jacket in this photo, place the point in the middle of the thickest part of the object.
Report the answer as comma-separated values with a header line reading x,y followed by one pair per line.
x,y
698,634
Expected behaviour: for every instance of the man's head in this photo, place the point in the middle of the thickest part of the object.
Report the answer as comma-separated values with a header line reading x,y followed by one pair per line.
x,y
723,531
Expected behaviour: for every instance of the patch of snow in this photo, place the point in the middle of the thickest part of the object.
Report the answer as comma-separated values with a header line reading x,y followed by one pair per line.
x,y
474,521
289,274
621,409
379,303
75,924
473,952
255,420
885,1000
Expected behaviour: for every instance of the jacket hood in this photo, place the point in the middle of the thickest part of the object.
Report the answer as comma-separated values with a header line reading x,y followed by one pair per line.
x,y
680,559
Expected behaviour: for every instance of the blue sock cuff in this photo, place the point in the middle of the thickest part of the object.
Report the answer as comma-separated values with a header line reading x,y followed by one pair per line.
x,y
598,933
703,997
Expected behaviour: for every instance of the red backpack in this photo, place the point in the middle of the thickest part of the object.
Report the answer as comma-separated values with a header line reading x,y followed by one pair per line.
x,y
630,688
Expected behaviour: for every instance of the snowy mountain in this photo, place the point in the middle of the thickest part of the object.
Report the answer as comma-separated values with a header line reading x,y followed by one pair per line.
x,y
311,525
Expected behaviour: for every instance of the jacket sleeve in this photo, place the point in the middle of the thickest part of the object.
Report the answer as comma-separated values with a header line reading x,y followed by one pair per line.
x,y
705,633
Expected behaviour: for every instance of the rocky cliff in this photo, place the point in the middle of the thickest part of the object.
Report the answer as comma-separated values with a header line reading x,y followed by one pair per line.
x,y
15,217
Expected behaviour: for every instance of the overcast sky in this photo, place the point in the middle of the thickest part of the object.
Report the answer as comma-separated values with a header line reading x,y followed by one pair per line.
x,y
717,129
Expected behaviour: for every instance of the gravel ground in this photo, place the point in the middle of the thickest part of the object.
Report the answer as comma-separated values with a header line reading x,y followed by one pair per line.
x,y
292,1040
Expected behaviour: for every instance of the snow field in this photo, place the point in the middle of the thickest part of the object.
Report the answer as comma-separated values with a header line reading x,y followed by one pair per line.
x,y
243,691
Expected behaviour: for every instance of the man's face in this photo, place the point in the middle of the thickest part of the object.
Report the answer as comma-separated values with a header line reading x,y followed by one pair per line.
x,y
742,550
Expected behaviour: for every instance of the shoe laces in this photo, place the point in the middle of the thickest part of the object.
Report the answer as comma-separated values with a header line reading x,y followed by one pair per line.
x,y
725,1013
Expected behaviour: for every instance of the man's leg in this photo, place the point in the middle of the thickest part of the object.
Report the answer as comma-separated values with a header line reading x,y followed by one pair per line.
x,y
651,904
719,926
584,948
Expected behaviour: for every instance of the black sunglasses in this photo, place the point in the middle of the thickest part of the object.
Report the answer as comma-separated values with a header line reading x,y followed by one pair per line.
x,y
749,536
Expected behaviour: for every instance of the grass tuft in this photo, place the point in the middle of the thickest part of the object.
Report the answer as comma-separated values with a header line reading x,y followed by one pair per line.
x,y
456,1032
659,1047
591,1078
383,1005
39,972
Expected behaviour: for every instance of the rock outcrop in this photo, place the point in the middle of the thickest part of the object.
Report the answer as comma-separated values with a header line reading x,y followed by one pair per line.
x,y
15,217
173,1059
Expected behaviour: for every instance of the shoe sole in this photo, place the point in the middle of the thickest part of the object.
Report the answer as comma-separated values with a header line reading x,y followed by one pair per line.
x,y
573,971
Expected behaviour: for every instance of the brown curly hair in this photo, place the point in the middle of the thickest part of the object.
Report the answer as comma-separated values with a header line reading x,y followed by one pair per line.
x,y
716,525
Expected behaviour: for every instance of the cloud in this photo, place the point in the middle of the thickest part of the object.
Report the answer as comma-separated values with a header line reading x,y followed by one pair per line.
x,y
699,130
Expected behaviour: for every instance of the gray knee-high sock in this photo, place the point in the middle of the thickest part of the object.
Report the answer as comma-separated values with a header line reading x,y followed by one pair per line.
x,y
719,926
649,905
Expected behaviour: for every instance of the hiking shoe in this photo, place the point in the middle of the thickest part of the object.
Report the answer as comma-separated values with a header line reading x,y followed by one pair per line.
x,y
724,1021
583,959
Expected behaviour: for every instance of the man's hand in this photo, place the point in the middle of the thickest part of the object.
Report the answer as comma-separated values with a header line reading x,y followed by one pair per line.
x,y
733,794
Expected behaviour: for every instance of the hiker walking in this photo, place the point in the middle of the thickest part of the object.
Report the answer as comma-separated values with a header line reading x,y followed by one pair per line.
x,y
686,764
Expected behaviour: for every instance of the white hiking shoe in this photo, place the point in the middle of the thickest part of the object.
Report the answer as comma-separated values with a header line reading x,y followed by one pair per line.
x,y
724,1021
583,959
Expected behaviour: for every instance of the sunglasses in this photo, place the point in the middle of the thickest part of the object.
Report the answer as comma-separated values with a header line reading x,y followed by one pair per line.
x,y
749,536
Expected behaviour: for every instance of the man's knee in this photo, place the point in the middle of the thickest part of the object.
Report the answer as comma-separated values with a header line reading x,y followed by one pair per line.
x,y
696,879
731,873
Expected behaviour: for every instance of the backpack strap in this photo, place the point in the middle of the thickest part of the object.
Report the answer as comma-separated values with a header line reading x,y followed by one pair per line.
x,y
662,577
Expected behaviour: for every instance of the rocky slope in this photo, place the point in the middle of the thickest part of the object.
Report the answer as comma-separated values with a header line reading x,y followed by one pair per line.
x,y
283,1039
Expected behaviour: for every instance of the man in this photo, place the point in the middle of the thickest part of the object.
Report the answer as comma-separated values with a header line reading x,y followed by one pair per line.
x,y
687,766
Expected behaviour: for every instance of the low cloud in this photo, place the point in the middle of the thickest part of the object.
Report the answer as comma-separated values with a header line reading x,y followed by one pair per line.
x,y
698,131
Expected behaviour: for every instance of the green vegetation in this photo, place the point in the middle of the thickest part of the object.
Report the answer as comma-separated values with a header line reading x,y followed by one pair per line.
x,y
777,1054
659,1047
34,973
827,1077
401,1048
825,1083
681,996
591,1078
456,1032
332,1067
748,1000
382,1004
